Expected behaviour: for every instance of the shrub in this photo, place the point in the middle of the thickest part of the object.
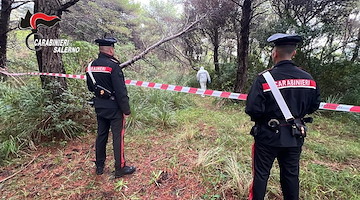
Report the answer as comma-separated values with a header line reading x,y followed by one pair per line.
x,y
154,108
28,116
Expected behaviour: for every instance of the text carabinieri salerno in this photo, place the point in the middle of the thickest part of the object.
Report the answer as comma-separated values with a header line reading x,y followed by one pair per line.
x,y
60,45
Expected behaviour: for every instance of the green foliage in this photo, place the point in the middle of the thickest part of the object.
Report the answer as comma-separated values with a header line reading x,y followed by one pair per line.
x,y
219,134
162,15
223,82
119,185
155,108
20,57
112,18
328,164
320,182
155,177
75,63
29,116
152,107
223,144
344,79
9,147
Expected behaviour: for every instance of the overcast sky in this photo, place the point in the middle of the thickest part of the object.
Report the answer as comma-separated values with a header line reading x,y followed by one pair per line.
x,y
144,2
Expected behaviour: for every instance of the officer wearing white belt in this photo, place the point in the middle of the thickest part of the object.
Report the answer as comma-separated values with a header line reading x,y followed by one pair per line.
x,y
278,102
106,79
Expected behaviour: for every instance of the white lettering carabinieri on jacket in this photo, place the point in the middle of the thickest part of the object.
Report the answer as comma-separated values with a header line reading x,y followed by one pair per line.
x,y
291,83
101,69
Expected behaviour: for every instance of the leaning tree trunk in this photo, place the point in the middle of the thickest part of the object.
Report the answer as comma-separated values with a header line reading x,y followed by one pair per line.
x,y
49,61
4,27
243,47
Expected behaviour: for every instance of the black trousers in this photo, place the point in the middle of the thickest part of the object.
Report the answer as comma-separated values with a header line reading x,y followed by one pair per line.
x,y
110,118
288,159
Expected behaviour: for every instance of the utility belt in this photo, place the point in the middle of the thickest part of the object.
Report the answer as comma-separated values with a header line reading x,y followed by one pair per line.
x,y
103,93
298,127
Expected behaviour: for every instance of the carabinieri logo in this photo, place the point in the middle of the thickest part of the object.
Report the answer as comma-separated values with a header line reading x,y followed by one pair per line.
x,y
33,21
37,19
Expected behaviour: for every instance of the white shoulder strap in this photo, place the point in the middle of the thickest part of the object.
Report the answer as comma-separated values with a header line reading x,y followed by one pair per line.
x,y
90,73
278,96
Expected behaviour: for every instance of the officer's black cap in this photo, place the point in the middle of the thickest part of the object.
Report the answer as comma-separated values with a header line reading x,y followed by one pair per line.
x,y
106,41
281,39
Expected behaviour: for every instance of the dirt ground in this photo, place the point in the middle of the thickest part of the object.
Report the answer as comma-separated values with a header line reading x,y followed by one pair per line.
x,y
165,170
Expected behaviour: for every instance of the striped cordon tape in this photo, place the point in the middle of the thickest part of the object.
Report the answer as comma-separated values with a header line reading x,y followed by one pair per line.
x,y
191,90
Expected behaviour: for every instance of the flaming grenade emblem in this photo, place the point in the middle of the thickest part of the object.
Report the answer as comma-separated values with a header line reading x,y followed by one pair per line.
x,y
33,21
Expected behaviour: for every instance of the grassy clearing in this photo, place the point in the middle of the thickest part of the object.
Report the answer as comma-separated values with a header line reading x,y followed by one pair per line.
x,y
185,146
329,164
199,149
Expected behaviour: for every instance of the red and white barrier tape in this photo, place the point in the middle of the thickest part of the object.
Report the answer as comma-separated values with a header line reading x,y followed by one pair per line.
x,y
191,90
45,74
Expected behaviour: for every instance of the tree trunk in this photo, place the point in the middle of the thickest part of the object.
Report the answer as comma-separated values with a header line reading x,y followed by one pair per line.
x,y
355,55
49,61
216,50
243,47
4,27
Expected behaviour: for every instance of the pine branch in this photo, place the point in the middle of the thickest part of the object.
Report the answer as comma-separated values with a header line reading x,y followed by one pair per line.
x,y
67,5
237,3
146,51
22,3
9,177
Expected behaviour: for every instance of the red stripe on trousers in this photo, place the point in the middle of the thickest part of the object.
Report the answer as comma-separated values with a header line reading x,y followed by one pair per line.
x,y
122,157
251,191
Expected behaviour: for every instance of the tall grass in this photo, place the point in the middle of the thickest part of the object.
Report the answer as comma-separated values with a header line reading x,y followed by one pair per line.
x,y
29,116
329,166
154,108
238,176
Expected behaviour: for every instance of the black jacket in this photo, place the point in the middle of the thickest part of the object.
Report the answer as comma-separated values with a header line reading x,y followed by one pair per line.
x,y
300,93
108,74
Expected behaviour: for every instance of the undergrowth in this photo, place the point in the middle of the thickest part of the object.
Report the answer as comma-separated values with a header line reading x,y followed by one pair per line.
x,y
29,117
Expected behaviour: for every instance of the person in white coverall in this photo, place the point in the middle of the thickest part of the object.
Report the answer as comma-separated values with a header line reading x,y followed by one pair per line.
x,y
203,76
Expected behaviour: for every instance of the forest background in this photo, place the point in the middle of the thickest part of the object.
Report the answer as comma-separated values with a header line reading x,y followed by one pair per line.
x,y
229,40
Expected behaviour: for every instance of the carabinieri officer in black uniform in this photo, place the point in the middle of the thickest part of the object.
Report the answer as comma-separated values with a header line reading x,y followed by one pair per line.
x,y
274,136
106,79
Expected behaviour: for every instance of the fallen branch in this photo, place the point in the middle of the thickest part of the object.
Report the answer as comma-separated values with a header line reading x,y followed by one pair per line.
x,y
9,177
17,81
64,7
146,51
186,57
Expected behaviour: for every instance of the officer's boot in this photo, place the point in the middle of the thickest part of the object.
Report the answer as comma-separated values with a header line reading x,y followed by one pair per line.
x,y
123,171
99,169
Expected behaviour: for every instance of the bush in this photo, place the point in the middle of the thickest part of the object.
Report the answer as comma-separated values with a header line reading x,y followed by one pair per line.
x,y
29,116
340,77
155,108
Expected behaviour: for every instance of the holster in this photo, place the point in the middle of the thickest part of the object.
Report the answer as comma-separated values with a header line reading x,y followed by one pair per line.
x,y
255,130
102,92
298,129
